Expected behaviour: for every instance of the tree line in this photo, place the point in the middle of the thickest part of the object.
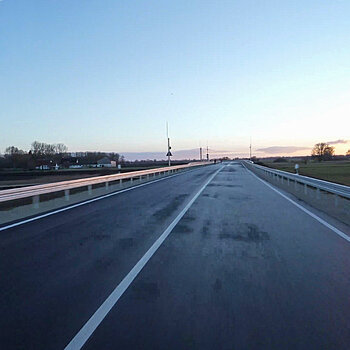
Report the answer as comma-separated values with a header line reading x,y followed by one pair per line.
x,y
48,154
323,151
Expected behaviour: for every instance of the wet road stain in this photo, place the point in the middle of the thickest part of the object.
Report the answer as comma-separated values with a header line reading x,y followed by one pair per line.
x,y
205,229
183,228
165,212
223,185
245,233
216,195
239,197
217,286
188,218
229,170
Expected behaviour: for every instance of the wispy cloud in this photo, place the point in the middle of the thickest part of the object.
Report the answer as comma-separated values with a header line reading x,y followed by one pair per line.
x,y
281,149
337,142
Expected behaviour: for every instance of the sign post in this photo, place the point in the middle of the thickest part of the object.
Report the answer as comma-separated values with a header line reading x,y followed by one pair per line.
x,y
296,167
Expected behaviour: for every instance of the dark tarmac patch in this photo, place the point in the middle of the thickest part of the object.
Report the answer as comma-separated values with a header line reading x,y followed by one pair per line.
x,y
229,170
205,229
182,228
217,286
164,213
216,195
147,291
239,197
188,218
223,185
126,243
245,233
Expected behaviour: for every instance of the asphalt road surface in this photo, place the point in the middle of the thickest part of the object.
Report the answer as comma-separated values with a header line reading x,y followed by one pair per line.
x,y
241,268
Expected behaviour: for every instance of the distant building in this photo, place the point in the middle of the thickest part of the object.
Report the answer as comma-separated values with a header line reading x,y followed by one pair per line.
x,y
104,162
77,154
43,167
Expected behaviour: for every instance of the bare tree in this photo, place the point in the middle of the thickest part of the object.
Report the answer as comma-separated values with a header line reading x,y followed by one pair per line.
x,y
38,148
348,153
61,148
47,149
12,150
15,156
322,151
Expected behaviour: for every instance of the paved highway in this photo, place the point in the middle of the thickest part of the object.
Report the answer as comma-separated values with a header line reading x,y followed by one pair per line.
x,y
208,259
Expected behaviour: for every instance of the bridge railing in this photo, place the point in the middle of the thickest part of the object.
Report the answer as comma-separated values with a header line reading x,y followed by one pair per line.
x,y
330,197
62,192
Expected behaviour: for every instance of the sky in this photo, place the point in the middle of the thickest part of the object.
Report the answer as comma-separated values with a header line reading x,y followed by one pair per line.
x,y
106,75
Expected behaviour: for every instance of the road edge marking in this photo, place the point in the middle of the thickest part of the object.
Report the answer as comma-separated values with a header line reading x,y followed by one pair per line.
x,y
56,211
95,320
320,220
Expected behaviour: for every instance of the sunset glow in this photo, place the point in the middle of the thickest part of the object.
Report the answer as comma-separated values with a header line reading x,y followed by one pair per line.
x,y
108,75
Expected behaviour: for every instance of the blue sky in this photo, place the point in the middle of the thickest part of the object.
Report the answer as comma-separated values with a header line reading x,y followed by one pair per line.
x,y
107,75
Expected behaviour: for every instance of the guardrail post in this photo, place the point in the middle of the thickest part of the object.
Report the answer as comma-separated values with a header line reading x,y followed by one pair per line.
x,y
36,201
147,177
66,195
282,180
336,200
121,182
305,188
131,180
288,182
140,178
90,189
295,185
107,185
318,193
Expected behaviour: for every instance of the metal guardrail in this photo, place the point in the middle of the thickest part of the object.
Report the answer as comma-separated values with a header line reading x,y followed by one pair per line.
x,y
66,186
319,185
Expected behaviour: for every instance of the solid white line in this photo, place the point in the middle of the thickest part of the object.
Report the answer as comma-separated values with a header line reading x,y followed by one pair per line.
x,y
89,201
323,222
90,326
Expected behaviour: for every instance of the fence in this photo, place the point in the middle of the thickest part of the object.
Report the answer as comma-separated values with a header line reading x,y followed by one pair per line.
x,y
31,200
332,198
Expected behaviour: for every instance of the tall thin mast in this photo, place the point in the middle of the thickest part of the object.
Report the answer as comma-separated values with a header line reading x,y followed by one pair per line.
x,y
169,147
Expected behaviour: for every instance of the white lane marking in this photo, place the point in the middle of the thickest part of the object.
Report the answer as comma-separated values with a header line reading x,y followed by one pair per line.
x,y
323,222
90,326
89,201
